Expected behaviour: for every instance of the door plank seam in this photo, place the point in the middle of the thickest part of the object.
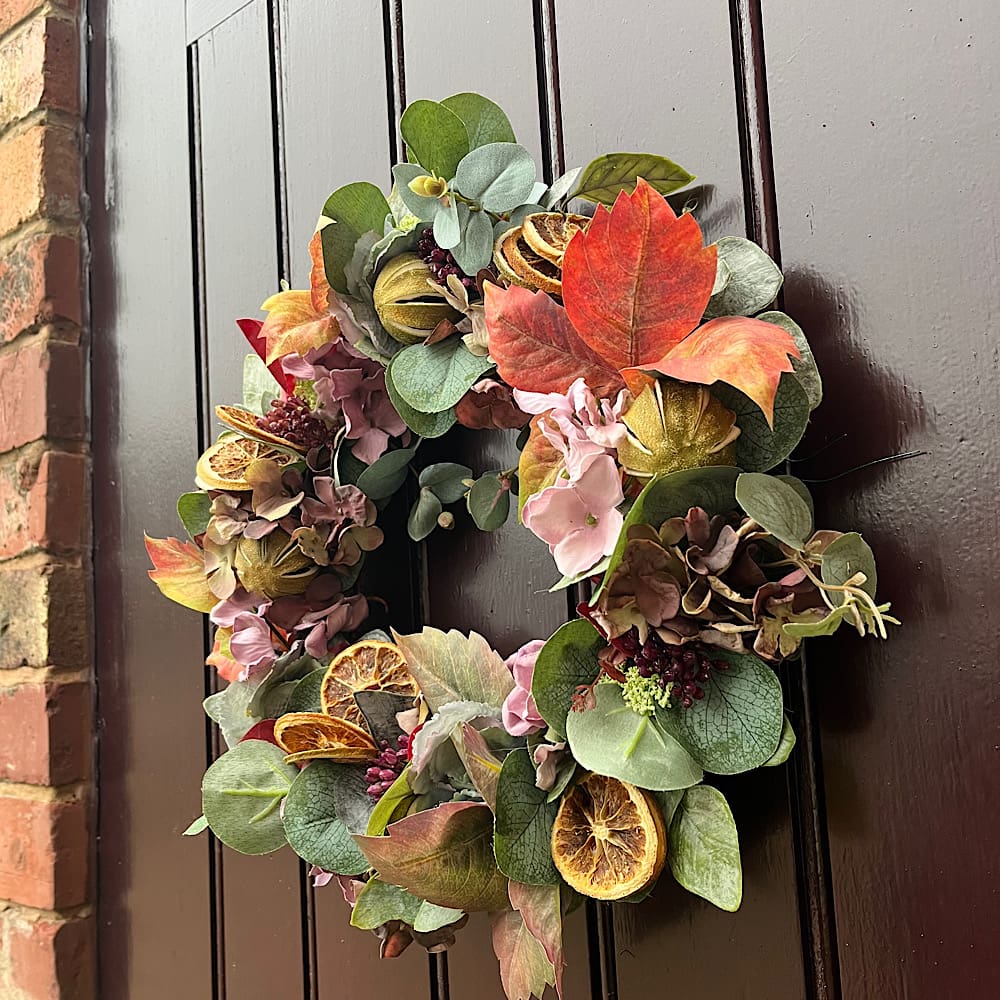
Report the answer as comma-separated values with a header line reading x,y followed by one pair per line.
x,y
203,16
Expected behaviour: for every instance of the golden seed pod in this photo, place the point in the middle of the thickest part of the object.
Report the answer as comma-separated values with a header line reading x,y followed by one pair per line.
x,y
273,566
408,302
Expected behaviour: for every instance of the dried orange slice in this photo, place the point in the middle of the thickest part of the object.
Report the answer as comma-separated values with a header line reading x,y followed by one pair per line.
x,y
224,465
609,840
518,263
245,422
549,233
313,735
366,666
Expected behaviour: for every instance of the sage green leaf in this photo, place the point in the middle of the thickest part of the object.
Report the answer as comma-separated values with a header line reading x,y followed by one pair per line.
x,y
434,377
805,365
753,279
194,510
271,694
560,188
427,425
444,854
843,558
567,661
613,740
446,480
785,745
760,447
379,902
484,121
393,804
423,515
514,219
776,506
306,695
525,970
524,819
672,495
669,801
737,725
448,222
489,502
474,249
386,474
704,848
241,796
230,710
353,805
313,829
436,136
450,666
259,386
802,490
200,825
424,207
604,178
355,209
499,176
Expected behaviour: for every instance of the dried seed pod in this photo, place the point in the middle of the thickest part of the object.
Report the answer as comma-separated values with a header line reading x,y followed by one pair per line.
x,y
273,566
409,303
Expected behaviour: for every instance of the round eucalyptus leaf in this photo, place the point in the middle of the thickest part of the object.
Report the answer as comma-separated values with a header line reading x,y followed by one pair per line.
x,y
446,480
753,279
484,121
436,136
776,506
448,224
500,176
427,425
386,474
805,365
434,377
489,502
567,661
305,697
474,250
423,516
843,558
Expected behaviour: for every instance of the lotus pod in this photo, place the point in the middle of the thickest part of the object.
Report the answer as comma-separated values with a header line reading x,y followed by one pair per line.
x,y
273,566
409,303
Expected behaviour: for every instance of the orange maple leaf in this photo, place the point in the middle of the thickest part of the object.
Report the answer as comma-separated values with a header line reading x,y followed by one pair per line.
x,y
179,572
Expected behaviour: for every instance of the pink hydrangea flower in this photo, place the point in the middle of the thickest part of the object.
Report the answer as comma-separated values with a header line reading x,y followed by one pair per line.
x,y
579,518
519,713
579,413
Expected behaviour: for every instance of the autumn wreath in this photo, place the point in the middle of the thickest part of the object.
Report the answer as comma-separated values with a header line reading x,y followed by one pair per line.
x,y
653,394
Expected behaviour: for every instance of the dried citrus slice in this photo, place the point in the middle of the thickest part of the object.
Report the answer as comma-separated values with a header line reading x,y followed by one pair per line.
x,y
515,258
224,465
549,233
313,735
609,840
366,666
245,422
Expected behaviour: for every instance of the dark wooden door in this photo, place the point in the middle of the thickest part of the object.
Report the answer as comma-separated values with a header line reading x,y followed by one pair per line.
x,y
857,142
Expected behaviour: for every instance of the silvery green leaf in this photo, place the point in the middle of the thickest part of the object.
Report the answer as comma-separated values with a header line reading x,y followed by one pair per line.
x,y
776,507
785,745
229,709
445,479
448,224
427,425
560,188
488,501
500,176
259,386
475,247
805,365
200,825
358,268
423,515
704,848
421,206
434,377
395,242
386,474
443,724
379,902
399,210
539,188
524,821
306,696
484,121
436,135
754,279
566,661
843,558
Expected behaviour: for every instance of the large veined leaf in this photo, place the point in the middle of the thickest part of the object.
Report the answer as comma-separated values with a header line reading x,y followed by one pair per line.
x,y
179,572
742,352
480,762
566,661
637,280
541,908
524,819
537,348
737,725
434,377
436,136
805,364
704,848
378,903
355,209
444,855
484,121
450,666
603,179
613,740
776,506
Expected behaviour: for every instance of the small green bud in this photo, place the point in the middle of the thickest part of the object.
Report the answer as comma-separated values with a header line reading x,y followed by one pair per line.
x,y
429,186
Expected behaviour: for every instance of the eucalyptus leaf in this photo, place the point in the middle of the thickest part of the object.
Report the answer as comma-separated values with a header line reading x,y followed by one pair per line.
x,y
259,386
434,377
499,176
354,209
200,825
436,136
802,490
776,506
560,188
825,626
445,480
379,902
314,831
194,510
515,219
753,279
427,425
785,745
524,819
613,740
568,660
484,121
386,474
843,558
760,447
704,848
241,796
448,224
474,249
606,177
805,365
424,207
489,502
229,709
423,515
271,694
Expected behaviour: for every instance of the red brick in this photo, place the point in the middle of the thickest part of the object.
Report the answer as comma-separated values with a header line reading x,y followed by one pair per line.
x,y
43,503
40,68
44,851
45,733
39,283
52,959
41,171
41,393
44,617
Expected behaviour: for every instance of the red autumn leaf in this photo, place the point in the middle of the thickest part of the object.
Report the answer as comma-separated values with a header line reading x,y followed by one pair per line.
x,y
261,731
539,464
319,287
637,280
536,347
294,325
179,572
748,354
251,330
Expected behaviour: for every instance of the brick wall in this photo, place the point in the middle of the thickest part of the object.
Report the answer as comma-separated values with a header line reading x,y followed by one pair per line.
x,y
46,800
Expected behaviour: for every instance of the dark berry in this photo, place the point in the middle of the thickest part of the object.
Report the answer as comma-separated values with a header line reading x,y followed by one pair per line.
x,y
293,420
440,261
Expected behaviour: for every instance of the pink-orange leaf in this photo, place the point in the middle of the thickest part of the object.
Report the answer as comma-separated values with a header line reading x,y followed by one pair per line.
x,y
540,908
637,280
536,347
539,464
179,572
746,353
294,325
319,287
525,970
222,658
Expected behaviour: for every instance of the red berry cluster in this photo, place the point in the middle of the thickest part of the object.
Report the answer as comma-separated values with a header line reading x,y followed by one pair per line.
x,y
440,261
388,766
292,419
680,669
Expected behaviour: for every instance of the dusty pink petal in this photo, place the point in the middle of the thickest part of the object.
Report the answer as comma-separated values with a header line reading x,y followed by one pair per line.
x,y
584,548
251,643
371,445
554,512
600,485
225,612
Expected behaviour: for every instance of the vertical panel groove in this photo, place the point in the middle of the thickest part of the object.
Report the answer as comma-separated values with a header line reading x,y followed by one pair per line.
x,y
395,74
549,100
815,889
